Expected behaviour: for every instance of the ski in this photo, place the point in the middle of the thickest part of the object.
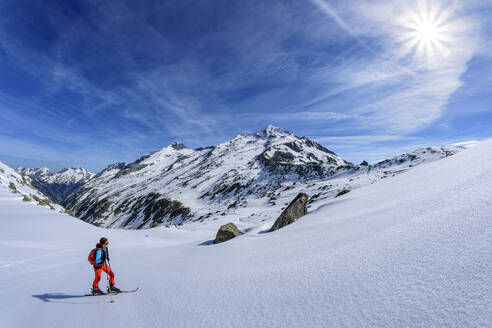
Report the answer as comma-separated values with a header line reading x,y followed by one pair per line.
x,y
114,293
125,291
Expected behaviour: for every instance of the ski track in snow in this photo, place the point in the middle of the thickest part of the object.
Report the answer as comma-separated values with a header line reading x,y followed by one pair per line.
x,y
410,251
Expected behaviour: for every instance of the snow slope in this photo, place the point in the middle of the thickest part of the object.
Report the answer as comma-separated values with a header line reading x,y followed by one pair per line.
x,y
411,251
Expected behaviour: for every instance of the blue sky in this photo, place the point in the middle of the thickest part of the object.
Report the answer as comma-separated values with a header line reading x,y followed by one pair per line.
x,y
89,83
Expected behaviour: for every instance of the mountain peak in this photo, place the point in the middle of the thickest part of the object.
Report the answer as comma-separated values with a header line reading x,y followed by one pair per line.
x,y
176,145
43,171
271,131
69,169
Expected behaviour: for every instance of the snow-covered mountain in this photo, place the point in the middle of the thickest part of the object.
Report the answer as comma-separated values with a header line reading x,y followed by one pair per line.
x,y
252,173
22,186
57,185
70,175
176,183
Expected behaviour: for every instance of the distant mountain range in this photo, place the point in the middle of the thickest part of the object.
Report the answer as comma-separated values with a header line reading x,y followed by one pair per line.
x,y
57,186
251,173
23,186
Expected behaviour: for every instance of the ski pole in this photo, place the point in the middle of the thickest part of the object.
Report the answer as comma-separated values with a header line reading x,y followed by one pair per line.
x,y
107,276
111,271
109,264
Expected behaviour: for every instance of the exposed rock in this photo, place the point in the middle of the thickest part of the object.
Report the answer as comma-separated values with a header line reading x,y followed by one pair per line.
x,y
343,192
205,148
145,211
226,232
42,202
364,163
177,145
130,168
70,213
281,157
296,209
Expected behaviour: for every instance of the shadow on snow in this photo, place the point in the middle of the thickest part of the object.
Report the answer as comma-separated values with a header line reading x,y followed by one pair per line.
x,y
57,297
207,242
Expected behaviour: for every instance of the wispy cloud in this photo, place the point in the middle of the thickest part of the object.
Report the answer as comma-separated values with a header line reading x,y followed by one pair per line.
x,y
404,100
367,139
128,78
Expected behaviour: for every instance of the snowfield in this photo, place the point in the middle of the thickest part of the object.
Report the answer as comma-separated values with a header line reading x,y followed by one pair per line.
x,y
410,251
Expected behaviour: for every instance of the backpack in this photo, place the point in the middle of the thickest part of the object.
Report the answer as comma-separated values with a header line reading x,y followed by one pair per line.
x,y
92,256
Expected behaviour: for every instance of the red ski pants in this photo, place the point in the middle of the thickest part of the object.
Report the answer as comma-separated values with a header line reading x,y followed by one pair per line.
x,y
98,273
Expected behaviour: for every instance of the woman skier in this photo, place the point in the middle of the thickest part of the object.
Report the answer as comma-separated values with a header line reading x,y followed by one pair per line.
x,y
97,258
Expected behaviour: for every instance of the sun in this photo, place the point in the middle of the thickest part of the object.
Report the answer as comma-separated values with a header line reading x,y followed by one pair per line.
x,y
426,29
425,33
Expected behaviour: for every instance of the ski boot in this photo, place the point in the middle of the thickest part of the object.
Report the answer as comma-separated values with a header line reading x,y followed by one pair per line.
x,y
113,289
97,291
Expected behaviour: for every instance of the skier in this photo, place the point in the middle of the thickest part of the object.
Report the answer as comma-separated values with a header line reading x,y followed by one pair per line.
x,y
97,258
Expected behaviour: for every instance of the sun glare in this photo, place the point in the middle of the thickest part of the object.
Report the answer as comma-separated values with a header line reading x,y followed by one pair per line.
x,y
426,33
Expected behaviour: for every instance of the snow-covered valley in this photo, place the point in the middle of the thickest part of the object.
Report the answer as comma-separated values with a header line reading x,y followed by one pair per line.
x,y
412,250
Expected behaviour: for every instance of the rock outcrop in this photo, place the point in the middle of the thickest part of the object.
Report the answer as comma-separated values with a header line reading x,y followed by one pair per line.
x,y
343,192
227,232
139,212
296,209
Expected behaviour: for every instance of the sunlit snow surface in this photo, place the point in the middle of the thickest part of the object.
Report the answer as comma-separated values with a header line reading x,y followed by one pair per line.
x,y
410,251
